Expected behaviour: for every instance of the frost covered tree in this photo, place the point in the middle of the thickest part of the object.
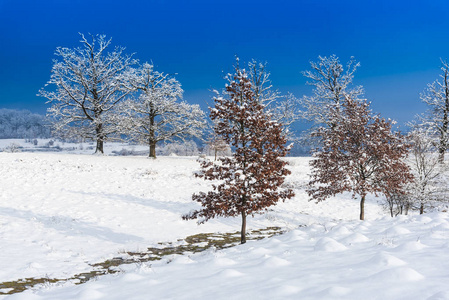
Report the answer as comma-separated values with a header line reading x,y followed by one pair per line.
x,y
217,144
431,177
186,148
88,84
284,108
360,154
158,113
261,82
436,96
332,83
250,179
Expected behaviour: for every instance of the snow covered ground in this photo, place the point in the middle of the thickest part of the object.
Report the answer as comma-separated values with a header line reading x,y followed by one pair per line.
x,y
61,213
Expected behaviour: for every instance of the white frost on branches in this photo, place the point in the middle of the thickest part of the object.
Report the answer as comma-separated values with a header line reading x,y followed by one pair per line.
x,y
431,177
332,83
88,84
283,108
157,113
436,96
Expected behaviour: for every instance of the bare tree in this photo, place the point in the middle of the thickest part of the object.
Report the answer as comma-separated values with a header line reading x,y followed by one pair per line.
x,y
217,144
360,154
436,96
158,113
332,83
251,178
88,83
284,108
430,175
398,203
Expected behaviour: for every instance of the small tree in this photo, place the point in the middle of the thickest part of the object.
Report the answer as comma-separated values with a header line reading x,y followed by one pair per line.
x,y
89,84
251,178
398,203
12,148
217,144
430,175
360,154
158,114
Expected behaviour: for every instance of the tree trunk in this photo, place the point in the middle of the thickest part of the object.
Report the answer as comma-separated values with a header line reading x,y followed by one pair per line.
x,y
152,139
362,208
421,209
443,138
152,149
99,148
441,152
243,231
100,138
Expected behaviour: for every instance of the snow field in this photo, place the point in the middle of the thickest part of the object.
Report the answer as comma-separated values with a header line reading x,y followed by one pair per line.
x,y
61,213
344,260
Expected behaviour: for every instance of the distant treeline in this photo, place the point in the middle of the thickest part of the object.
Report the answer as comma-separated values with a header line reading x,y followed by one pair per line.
x,y
16,124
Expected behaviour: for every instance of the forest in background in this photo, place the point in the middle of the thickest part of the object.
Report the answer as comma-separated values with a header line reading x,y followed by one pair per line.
x,y
22,124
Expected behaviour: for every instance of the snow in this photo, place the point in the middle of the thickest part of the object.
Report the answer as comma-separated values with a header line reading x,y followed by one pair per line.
x,y
60,213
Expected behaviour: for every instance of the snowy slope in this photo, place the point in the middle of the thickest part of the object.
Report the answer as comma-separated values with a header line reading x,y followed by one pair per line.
x,y
60,213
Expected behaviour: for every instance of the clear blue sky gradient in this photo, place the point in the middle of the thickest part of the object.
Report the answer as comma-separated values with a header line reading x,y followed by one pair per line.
x,y
399,43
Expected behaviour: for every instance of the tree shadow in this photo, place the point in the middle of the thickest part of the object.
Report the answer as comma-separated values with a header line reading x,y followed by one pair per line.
x,y
170,206
72,227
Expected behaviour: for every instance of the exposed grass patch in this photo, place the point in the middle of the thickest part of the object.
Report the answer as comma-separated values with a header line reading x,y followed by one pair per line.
x,y
12,287
191,244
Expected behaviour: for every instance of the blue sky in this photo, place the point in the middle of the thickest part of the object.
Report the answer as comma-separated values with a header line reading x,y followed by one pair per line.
x,y
399,43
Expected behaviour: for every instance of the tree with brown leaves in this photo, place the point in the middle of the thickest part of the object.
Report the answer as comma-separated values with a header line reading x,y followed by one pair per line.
x,y
250,180
360,154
